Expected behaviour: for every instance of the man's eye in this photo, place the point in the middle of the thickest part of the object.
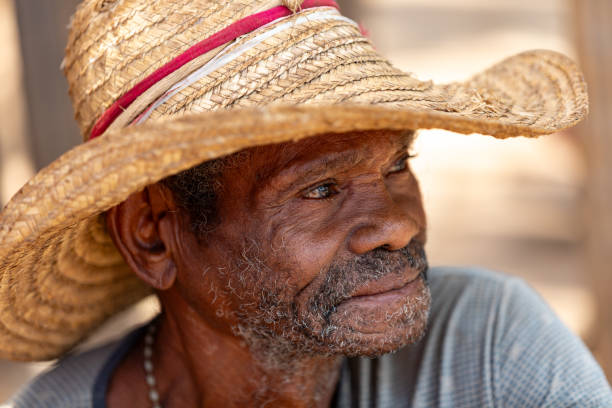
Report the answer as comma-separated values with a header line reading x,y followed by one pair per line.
x,y
400,165
322,191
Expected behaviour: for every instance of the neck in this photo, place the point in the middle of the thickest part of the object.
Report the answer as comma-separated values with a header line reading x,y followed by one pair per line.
x,y
216,369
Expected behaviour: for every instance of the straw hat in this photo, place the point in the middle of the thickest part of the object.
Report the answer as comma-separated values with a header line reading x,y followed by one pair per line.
x,y
211,77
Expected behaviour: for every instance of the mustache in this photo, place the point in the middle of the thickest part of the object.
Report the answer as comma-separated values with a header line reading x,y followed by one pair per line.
x,y
345,277
380,262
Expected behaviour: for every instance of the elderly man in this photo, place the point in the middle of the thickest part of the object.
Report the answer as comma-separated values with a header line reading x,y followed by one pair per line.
x,y
284,235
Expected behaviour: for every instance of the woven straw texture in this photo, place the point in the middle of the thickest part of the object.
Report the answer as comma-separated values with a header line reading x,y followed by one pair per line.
x,y
60,274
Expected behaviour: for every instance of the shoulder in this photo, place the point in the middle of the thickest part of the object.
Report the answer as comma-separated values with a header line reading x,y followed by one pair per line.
x,y
459,279
485,298
480,296
69,383
493,340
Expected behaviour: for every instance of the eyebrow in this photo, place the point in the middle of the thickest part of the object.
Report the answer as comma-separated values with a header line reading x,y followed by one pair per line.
x,y
318,168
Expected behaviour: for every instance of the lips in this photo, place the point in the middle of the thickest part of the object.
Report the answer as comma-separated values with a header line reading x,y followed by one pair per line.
x,y
388,283
379,303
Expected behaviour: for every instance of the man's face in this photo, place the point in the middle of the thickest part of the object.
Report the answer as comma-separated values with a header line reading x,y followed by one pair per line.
x,y
318,249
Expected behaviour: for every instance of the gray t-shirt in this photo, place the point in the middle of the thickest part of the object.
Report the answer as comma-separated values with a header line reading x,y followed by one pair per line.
x,y
491,342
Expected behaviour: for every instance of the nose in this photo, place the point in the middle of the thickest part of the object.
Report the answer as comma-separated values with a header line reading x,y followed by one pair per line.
x,y
385,225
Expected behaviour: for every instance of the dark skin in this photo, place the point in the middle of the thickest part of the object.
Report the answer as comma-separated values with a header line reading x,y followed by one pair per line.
x,y
239,324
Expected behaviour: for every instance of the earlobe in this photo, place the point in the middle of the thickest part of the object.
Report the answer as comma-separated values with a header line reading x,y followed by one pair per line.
x,y
142,228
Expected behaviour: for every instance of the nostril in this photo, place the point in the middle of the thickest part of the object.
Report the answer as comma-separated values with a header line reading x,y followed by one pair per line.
x,y
386,247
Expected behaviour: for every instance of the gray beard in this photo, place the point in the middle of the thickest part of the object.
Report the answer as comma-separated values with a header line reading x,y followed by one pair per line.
x,y
280,334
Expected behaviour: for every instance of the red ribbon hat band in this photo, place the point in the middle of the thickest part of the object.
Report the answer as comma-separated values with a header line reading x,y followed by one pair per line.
x,y
228,34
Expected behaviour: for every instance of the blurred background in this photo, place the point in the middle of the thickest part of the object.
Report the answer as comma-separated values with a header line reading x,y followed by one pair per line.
x,y
539,209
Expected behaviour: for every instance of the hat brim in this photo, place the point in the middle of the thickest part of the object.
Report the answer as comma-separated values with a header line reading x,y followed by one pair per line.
x,y
60,274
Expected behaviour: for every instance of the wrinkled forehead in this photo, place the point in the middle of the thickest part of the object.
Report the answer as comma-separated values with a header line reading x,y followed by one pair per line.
x,y
327,149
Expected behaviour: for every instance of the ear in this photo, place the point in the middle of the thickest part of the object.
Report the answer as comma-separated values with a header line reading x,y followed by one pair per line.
x,y
143,228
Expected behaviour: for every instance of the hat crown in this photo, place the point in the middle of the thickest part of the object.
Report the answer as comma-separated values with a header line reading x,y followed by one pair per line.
x,y
115,44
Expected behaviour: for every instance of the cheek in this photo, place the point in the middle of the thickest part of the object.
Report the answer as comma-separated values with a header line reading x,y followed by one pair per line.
x,y
304,243
203,282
